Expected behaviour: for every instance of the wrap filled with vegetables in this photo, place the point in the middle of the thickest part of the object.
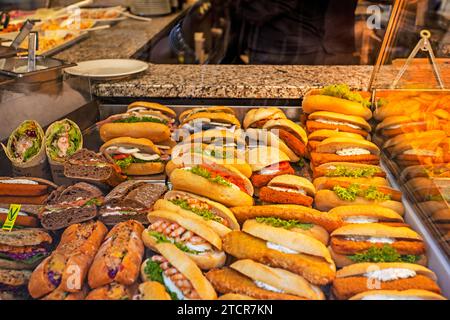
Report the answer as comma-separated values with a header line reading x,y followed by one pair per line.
x,y
25,147
62,139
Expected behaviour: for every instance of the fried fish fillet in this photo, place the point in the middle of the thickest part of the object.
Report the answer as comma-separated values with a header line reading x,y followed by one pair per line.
x,y
345,247
345,288
320,158
243,246
227,280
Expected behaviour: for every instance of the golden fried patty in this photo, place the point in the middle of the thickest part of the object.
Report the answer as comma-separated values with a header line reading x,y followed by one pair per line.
x,y
321,158
275,196
227,280
344,288
349,247
243,246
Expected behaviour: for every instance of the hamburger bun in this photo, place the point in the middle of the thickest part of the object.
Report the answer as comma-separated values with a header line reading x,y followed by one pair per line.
x,y
219,109
256,118
144,105
331,145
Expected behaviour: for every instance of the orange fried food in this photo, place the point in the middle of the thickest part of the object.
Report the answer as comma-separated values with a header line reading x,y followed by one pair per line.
x,y
321,158
275,196
292,142
312,126
260,180
344,288
348,247
227,280
243,246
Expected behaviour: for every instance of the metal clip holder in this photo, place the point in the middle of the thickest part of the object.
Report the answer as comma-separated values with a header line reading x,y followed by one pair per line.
x,y
422,45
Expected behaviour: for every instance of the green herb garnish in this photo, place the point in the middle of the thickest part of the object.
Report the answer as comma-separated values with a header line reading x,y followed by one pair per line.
x,y
134,119
126,162
384,254
354,190
207,175
301,163
342,171
154,271
204,213
285,224
160,238
343,91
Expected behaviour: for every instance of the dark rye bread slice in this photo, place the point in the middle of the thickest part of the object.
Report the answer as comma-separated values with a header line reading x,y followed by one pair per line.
x,y
61,216
86,165
78,191
130,200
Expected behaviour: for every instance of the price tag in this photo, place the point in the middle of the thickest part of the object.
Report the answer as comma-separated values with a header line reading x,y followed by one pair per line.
x,y
13,212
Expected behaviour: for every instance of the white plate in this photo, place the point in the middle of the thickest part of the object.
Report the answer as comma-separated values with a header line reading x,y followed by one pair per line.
x,y
107,68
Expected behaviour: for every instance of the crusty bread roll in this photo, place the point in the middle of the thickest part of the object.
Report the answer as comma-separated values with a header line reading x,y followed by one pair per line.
x,y
326,200
314,101
152,290
259,114
284,280
156,132
207,260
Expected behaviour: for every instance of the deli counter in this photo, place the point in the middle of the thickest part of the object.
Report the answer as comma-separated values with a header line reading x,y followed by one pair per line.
x,y
325,174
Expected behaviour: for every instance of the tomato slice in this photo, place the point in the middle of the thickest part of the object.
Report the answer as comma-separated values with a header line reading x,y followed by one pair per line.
x,y
120,156
232,179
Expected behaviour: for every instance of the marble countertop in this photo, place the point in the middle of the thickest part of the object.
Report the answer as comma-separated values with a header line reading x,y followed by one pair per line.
x,y
123,40
233,81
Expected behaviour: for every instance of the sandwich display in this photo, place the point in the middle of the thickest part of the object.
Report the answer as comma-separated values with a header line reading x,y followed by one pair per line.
x,y
135,124
290,217
360,214
399,125
279,248
288,189
119,257
131,199
181,277
335,193
76,250
259,281
25,146
374,242
62,139
361,277
221,183
257,118
345,150
215,215
89,166
23,248
339,122
293,136
427,171
25,190
422,151
337,98
135,157
267,163
192,236
73,204
13,284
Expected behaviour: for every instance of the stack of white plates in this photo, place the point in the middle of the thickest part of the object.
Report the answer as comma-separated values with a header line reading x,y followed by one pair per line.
x,y
150,7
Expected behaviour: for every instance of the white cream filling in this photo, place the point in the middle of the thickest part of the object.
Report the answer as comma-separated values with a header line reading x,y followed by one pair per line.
x,y
266,286
390,274
220,124
113,213
19,181
360,219
420,152
268,171
279,248
371,239
338,123
284,189
352,152
395,126
173,288
197,247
